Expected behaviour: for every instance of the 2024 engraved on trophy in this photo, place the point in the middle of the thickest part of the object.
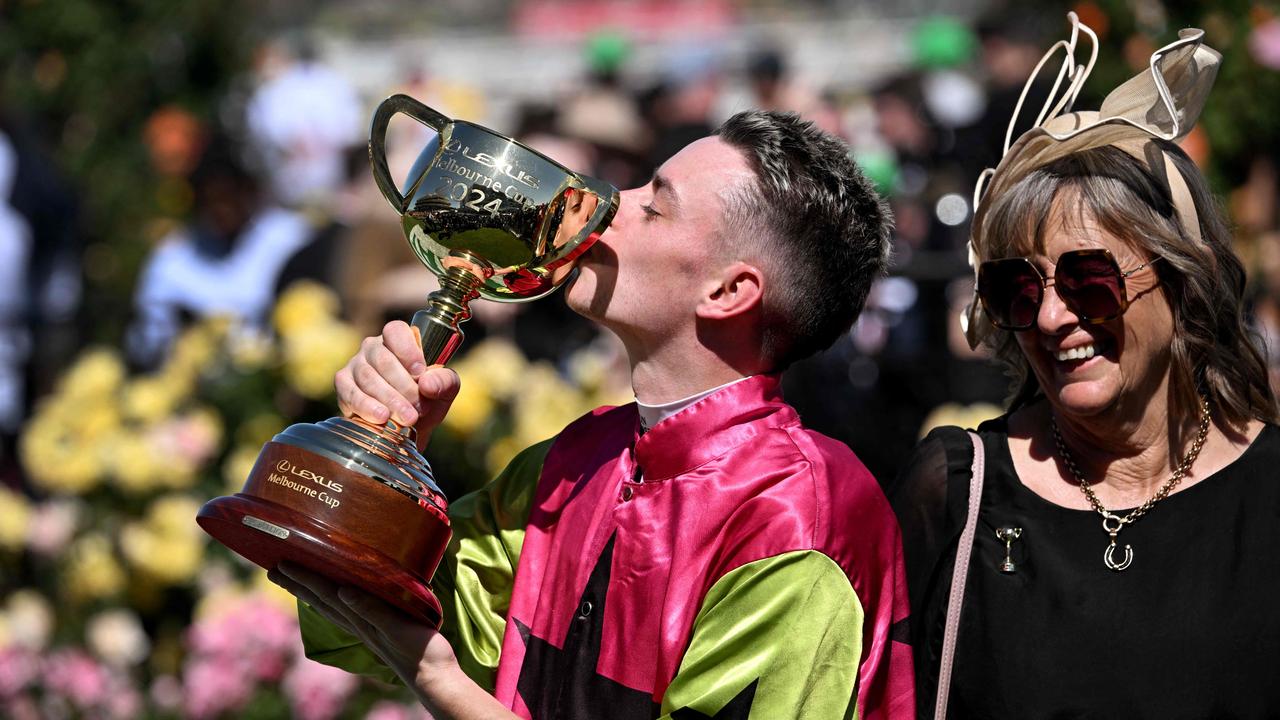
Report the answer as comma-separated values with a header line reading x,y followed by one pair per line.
x,y
354,500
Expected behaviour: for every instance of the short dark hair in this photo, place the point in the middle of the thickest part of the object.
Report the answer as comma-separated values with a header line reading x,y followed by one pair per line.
x,y
814,222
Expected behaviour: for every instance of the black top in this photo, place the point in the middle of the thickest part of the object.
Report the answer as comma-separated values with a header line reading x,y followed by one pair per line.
x,y
1190,630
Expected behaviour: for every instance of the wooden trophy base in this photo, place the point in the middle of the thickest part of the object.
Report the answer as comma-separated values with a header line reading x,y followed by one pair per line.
x,y
268,534
344,501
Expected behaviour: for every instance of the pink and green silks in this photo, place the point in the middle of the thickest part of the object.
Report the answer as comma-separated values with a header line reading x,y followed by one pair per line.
x,y
728,563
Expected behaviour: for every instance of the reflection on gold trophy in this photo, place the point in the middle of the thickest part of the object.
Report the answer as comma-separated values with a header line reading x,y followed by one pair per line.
x,y
357,501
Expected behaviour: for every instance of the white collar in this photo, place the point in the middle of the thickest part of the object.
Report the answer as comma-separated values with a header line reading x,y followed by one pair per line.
x,y
651,415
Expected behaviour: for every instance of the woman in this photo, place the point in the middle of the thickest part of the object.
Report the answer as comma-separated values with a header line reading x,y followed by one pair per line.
x,y
1127,553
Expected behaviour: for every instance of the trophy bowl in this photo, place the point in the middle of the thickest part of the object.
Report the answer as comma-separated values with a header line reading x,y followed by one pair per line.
x,y
354,500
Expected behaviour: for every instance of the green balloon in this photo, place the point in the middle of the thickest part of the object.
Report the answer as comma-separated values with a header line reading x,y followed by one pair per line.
x,y
607,50
941,42
881,168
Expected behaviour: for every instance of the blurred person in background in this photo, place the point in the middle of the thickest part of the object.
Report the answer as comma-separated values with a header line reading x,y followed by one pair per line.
x,y
40,283
302,118
773,87
15,251
893,363
329,252
226,261
905,126
604,113
1011,37
695,553
679,107
1127,513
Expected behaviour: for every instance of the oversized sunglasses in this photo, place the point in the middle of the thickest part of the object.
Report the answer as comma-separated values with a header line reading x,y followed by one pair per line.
x,y
1089,282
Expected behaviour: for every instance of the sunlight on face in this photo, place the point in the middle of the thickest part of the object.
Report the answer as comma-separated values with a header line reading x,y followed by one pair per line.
x,y
644,277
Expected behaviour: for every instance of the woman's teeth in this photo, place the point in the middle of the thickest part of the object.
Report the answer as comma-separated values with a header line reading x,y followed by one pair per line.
x,y
1084,352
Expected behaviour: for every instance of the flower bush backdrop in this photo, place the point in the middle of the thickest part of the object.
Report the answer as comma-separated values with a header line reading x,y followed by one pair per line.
x,y
126,609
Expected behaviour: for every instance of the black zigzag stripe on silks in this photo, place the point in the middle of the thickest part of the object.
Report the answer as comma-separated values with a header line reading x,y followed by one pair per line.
x,y
563,682
901,631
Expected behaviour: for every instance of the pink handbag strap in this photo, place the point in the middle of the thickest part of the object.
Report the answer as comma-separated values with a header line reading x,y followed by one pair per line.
x,y
958,576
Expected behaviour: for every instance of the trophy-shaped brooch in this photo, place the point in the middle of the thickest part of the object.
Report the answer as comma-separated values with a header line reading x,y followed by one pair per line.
x,y
355,500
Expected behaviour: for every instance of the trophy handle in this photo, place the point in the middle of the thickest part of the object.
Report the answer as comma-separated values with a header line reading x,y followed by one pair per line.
x,y
398,103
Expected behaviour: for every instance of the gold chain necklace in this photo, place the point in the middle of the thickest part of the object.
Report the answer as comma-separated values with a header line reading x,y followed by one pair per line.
x,y
1112,524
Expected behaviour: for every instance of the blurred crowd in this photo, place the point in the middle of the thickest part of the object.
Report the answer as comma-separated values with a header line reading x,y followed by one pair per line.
x,y
279,191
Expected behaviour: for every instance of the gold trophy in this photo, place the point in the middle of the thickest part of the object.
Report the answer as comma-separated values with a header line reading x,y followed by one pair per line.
x,y
356,501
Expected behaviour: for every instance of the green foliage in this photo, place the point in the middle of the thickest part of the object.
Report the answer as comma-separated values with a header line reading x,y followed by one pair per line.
x,y
88,74
1240,118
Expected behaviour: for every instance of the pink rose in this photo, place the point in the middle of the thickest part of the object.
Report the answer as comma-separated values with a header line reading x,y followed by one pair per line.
x,y
213,687
18,668
318,692
1264,44
77,676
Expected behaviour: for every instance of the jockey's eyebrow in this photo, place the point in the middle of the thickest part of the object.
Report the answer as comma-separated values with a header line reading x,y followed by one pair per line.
x,y
662,184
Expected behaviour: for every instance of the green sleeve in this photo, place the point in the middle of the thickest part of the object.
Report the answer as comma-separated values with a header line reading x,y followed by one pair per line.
x,y
779,637
473,581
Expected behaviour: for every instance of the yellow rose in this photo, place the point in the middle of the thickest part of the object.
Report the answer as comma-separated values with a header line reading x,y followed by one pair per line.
x,y
547,404
610,396
91,571
238,465
134,463
497,364
303,304
500,453
15,518
93,421
314,354
168,546
194,350
174,515
168,560
259,429
97,373
278,596
217,601
218,588
149,399
57,459
471,408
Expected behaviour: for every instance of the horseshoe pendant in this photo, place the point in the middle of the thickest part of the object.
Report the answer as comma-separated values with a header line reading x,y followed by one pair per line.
x,y
1112,525
1111,563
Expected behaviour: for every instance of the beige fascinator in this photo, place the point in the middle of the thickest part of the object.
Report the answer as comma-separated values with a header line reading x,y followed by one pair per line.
x,y
1162,103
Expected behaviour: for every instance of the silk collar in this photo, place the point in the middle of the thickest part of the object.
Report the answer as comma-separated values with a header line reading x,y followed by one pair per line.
x,y
712,426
